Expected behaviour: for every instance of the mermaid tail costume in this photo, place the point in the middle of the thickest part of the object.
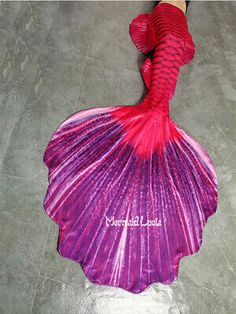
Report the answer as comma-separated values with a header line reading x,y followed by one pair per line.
x,y
129,189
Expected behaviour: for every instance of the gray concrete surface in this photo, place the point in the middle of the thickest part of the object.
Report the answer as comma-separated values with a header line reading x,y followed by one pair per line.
x,y
59,57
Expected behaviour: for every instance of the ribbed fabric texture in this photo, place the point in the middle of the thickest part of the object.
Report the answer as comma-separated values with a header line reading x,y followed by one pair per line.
x,y
166,17
171,30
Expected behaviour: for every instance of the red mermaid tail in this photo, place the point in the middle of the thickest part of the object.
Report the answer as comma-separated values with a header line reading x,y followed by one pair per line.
x,y
129,189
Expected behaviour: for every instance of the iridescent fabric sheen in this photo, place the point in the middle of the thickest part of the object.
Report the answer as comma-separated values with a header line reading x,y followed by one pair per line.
x,y
129,189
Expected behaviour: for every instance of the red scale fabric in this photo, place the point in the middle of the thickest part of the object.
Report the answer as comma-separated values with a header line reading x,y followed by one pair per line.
x,y
165,29
174,48
173,45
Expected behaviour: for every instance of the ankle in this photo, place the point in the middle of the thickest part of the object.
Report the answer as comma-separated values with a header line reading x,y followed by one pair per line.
x,y
178,3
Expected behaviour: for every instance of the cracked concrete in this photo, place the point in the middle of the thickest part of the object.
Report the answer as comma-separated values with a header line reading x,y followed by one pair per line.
x,y
59,57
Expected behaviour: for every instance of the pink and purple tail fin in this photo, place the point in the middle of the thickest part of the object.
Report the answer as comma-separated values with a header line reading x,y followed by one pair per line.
x,y
97,177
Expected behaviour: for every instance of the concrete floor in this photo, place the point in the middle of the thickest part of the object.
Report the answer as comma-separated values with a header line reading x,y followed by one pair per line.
x,y
59,57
